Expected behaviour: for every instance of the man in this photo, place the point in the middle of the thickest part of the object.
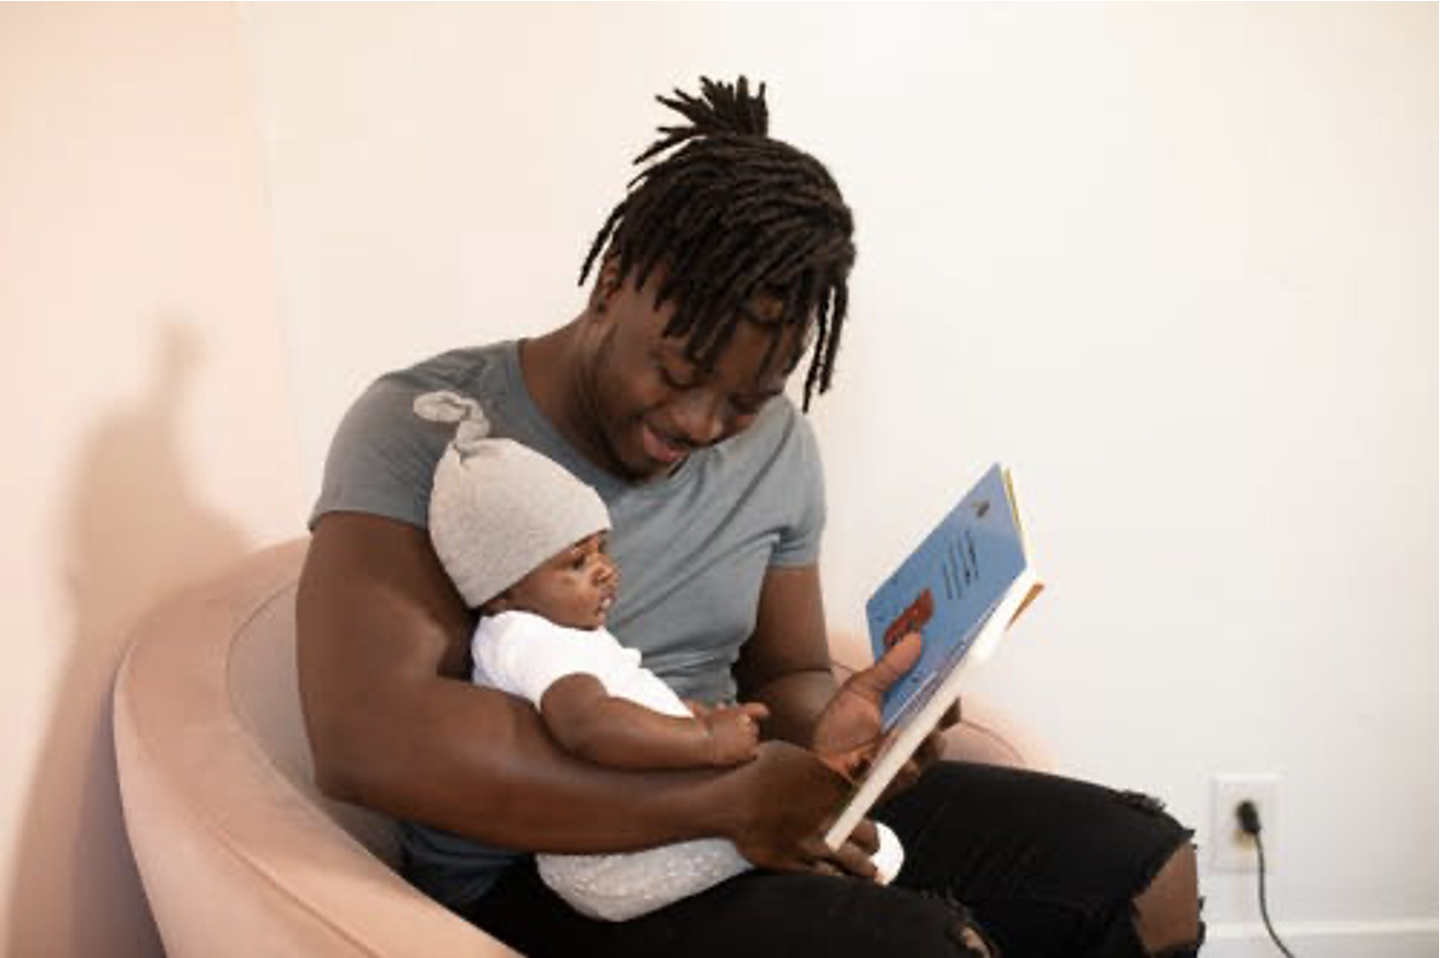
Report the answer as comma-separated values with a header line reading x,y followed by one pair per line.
x,y
725,263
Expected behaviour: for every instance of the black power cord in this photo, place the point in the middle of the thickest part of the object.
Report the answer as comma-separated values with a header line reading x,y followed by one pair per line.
x,y
1249,817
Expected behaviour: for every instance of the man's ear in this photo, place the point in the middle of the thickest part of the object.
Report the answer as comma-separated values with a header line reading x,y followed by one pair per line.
x,y
607,283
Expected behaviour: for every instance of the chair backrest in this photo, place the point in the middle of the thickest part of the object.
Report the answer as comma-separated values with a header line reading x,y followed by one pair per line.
x,y
239,853
265,692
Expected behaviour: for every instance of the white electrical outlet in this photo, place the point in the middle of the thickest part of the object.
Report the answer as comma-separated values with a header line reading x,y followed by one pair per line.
x,y
1231,850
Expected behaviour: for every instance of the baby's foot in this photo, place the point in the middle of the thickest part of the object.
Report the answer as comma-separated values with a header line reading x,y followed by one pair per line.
x,y
889,856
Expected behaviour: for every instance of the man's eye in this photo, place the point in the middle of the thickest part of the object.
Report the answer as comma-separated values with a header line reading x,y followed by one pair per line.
x,y
750,405
671,378
673,381
746,407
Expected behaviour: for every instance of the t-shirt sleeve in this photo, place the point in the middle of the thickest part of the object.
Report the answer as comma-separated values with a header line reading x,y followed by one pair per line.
x,y
799,543
382,459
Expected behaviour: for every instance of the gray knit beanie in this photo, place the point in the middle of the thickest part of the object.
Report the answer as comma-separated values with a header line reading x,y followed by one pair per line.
x,y
499,508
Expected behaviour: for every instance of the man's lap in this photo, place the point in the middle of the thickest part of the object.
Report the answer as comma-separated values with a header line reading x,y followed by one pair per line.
x,y
1045,863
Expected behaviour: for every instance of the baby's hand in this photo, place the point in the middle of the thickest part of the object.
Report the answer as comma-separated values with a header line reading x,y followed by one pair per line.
x,y
734,732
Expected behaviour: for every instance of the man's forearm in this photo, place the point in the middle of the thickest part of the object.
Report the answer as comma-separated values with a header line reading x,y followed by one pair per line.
x,y
379,627
795,700
485,767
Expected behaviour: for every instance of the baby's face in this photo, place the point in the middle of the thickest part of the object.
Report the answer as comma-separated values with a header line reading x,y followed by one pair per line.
x,y
574,588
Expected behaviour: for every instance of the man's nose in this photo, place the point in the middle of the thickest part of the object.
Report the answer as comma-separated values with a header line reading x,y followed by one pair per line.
x,y
700,415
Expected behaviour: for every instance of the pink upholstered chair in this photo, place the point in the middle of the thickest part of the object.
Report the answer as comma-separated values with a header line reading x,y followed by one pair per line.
x,y
239,853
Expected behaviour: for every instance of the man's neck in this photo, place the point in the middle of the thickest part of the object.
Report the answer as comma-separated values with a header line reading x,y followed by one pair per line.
x,y
554,370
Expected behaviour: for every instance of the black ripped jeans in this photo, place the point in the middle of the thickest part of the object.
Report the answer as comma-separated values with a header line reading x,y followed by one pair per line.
x,y
1047,866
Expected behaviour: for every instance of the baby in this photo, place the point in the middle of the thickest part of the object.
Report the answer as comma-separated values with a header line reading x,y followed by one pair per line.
x,y
525,543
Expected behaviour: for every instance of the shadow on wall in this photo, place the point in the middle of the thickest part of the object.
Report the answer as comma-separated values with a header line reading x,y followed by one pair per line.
x,y
134,533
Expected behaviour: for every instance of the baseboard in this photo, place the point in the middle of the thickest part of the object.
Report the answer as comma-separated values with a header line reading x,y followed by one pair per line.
x,y
1408,938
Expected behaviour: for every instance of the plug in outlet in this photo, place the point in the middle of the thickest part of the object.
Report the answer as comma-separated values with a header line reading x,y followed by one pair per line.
x,y
1231,850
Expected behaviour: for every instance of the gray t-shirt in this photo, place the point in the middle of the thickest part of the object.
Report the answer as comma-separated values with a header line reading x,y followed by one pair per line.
x,y
692,547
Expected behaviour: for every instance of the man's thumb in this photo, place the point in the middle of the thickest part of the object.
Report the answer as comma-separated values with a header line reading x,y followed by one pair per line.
x,y
897,660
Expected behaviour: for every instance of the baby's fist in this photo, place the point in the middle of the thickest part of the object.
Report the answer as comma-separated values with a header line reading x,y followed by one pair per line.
x,y
734,732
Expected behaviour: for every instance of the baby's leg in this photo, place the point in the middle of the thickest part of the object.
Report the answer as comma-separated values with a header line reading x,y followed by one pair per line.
x,y
620,887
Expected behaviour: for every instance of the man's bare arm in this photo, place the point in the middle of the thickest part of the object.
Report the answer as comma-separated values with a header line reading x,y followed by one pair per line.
x,y
786,662
382,651
395,725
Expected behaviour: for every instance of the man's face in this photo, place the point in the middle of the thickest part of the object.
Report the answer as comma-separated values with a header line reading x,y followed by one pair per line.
x,y
653,406
575,588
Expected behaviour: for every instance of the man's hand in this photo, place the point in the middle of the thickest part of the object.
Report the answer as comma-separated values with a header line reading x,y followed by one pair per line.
x,y
786,803
847,734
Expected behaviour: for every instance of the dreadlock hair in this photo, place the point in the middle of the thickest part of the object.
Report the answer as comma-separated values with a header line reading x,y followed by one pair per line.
x,y
728,215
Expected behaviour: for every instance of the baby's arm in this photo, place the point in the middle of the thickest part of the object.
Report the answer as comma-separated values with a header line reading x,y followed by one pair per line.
x,y
592,724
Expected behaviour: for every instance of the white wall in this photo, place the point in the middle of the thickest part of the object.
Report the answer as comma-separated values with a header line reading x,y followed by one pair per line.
x,y
147,412
1175,264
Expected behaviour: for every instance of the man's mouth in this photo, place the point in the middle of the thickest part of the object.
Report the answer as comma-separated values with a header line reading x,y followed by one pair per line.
x,y
662,448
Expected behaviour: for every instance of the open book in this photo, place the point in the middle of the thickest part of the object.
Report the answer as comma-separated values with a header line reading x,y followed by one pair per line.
x,y
960,589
